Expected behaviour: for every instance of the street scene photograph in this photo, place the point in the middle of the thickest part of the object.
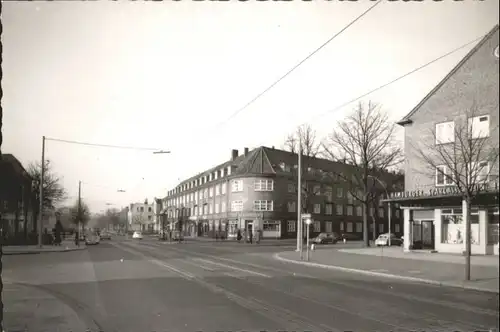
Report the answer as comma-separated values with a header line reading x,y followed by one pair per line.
x,y
249,166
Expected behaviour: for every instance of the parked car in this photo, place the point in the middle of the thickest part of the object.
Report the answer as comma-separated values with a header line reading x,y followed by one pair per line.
x,y
105,235
324,238
383,240
137,235
92,238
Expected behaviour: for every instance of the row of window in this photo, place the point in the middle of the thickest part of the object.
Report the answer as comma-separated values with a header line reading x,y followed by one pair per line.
x,y
267,205
345,226
479,127
477,173
226,171
340,209
141,209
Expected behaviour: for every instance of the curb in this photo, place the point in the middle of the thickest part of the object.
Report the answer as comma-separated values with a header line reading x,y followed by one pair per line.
x,y
37,252
384,275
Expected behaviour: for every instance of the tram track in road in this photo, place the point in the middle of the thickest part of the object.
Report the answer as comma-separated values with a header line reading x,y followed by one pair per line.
x,y
288,320
335,314
431,318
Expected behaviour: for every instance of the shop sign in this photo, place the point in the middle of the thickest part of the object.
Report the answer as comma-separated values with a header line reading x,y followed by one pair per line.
x,y
445,191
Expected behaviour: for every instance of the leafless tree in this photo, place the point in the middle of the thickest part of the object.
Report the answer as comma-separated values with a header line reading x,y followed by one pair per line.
x,y
306,136
53,191
461,154
81,214
364,140
305,139
138,219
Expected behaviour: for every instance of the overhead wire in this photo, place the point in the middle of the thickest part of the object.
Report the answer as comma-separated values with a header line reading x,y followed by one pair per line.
x,y
102,145
413,71
238,111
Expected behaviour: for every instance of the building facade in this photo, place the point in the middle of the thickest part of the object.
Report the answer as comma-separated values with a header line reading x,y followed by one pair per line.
x,y
434,210
16,213
258,191
140,217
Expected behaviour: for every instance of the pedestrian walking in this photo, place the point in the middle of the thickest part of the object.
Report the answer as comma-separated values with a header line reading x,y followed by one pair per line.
x,y
250,235
238,235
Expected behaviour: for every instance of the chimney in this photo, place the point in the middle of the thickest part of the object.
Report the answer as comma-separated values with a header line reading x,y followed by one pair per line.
x,y
246,152
234,154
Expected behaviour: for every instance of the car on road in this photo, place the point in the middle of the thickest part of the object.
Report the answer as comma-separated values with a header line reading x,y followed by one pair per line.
x,y
137,235
383,240
324,238
105,235
92,238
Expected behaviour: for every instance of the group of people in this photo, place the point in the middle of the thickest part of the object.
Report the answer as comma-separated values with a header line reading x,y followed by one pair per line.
x,y
251,235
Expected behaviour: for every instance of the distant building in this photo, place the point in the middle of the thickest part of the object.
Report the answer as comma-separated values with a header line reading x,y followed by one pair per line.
x,y
433,215
257,190
140,217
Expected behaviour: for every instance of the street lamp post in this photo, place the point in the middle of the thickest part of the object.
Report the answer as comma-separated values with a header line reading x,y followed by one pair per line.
x,y
389,208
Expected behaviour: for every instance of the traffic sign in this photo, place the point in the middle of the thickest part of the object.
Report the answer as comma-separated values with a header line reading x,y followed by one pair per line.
x,y
306,216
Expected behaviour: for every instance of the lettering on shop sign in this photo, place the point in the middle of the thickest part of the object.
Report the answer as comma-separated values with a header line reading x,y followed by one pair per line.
x,y
479,188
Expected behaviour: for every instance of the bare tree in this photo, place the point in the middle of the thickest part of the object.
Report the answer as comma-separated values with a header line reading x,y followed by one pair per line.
x,y
364,140
138,219
305,139
53,191
306,136
81,214
461,154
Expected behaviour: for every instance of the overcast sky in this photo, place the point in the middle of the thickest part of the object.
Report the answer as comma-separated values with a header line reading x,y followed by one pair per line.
x,y
164,74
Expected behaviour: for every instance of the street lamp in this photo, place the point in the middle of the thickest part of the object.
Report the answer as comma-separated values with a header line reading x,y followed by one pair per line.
x,y
389,212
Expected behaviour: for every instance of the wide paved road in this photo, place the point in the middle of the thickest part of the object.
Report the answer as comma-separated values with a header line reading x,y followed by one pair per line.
x,y
139,286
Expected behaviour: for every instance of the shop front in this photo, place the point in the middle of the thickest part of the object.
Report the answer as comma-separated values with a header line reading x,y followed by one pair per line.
x,y
436,221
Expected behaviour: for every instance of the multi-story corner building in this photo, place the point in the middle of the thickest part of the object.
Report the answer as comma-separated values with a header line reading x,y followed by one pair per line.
x,y
257,190
140,217
433,209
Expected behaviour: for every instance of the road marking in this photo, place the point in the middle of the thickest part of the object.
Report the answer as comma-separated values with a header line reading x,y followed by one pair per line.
x,y
232,267
170,267
206,268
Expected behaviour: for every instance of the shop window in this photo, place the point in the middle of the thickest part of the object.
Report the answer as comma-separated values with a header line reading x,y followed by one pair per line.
x,y
271,226
493,226
453,227
291,225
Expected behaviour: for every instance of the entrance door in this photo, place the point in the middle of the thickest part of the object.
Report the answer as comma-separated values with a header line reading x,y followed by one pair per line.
x,y
427,234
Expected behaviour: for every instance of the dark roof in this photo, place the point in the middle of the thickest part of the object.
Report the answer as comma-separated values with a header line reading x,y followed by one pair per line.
x,y
407,119
12,166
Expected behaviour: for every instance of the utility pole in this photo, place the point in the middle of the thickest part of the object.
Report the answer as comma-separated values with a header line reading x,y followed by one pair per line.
x,y
42,175
79,206
299,200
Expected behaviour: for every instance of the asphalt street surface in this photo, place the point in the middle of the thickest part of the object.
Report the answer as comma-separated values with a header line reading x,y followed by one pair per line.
x,y
140,286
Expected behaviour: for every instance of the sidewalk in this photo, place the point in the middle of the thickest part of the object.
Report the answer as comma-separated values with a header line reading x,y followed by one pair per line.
x,y
31,309
66,245
436,269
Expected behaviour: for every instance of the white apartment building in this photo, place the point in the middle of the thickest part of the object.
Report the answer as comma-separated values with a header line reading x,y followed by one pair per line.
x,y
141,217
